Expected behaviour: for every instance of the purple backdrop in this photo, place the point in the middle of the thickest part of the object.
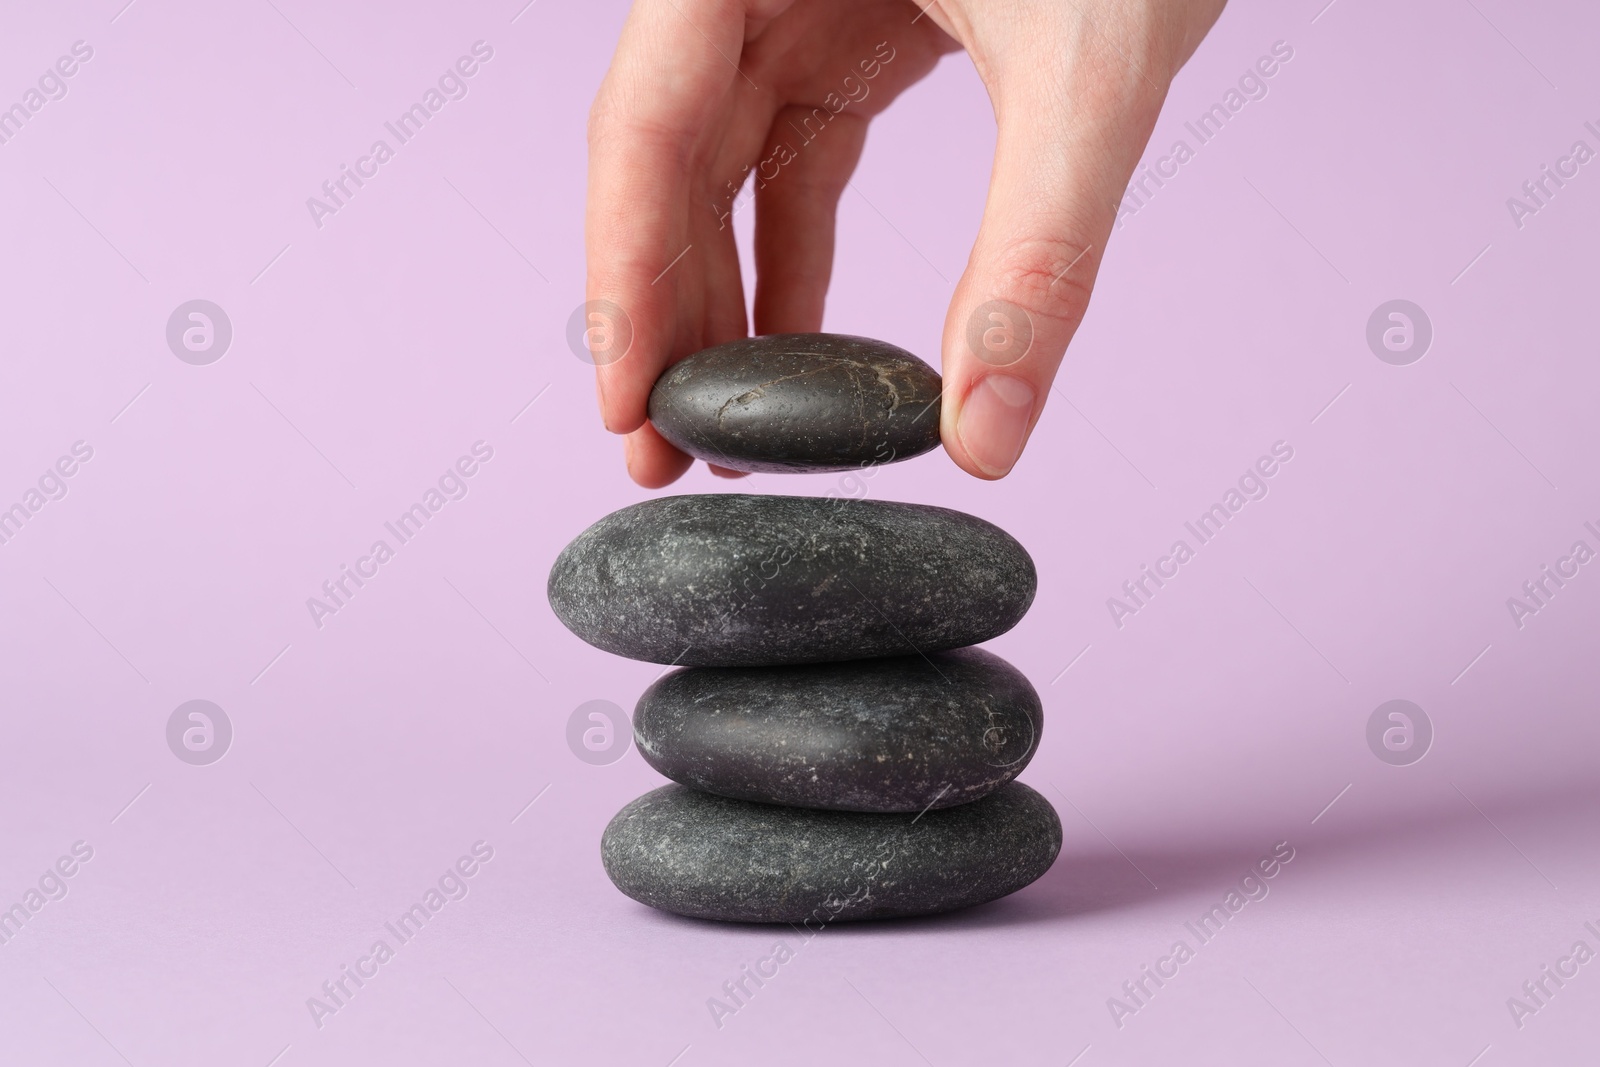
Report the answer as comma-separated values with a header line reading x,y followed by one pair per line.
x,y
372,747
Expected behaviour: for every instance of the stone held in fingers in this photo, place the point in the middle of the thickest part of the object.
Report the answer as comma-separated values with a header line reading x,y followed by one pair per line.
x,y
903,734
799,402
730,580
711,857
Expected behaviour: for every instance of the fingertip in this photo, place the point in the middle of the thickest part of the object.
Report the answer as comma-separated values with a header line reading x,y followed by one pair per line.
x,y
990,427
624,388
1010,323
653,462
998,363
726,472
618,425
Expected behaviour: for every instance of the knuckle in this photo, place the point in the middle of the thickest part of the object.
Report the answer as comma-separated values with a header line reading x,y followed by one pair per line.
x,y
619,130
1049,278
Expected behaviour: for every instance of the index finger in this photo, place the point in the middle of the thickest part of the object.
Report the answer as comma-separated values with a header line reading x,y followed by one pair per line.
x,y
665,85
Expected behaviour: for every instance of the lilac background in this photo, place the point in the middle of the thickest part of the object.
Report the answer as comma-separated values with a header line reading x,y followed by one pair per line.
x,y
431,310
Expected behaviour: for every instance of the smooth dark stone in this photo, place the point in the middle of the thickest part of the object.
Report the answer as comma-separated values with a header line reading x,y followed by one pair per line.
x,y
799,402
712,857
903,734
733,580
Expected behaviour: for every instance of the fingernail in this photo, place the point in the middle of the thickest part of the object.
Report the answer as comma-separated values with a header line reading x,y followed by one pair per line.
x,y
994,422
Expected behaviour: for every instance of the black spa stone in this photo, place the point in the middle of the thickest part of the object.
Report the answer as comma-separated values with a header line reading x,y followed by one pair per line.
x,y
799,402
903,734
733,580
712,857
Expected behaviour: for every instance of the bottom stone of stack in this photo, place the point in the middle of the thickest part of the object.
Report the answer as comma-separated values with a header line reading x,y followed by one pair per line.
x,y
713,857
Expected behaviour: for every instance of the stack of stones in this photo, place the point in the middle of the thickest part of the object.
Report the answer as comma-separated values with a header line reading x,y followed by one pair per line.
x,y
840,752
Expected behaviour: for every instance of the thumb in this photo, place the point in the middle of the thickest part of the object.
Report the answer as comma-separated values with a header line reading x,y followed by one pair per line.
x,y
1069,136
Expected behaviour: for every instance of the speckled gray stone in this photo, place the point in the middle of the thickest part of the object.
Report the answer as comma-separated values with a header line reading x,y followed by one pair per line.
x,y
901,734
799,402
734,580
712,857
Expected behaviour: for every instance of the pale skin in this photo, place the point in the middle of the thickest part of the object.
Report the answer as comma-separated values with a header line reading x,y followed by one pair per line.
x,y
701,91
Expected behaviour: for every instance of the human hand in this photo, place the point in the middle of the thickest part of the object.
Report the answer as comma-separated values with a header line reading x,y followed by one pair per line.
x,y
701,92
